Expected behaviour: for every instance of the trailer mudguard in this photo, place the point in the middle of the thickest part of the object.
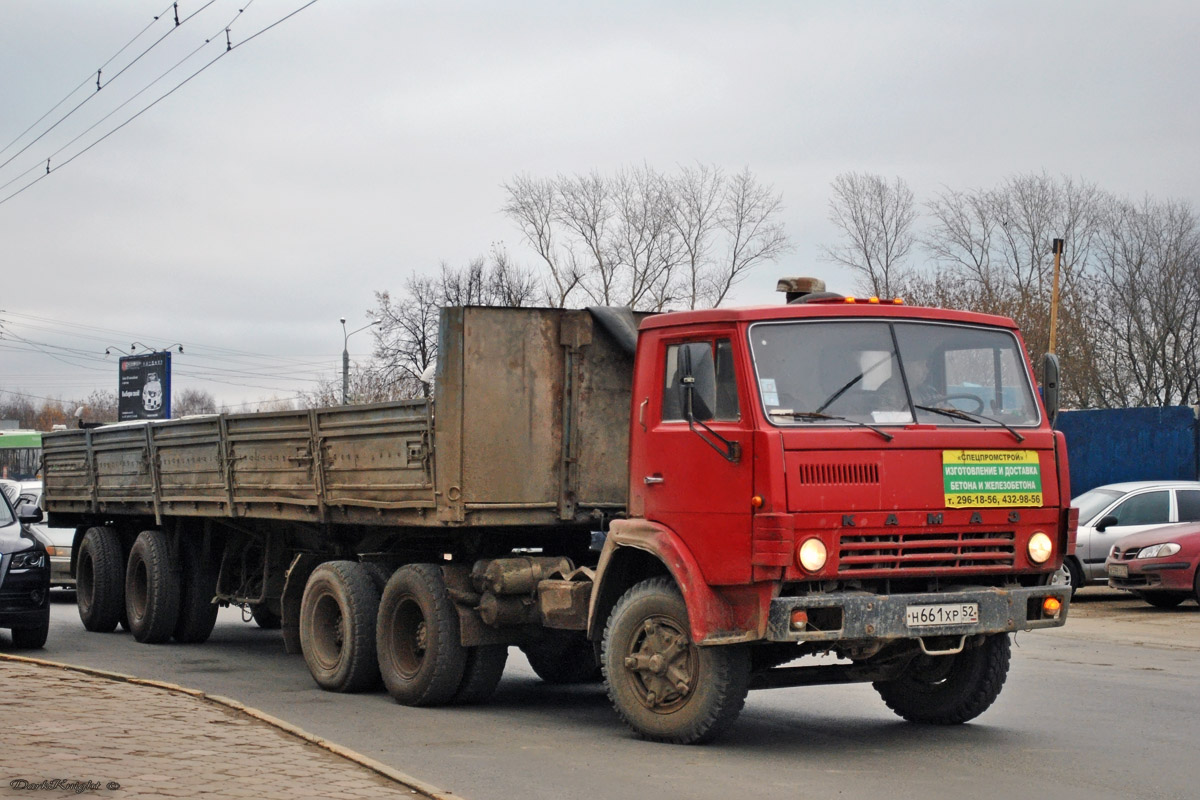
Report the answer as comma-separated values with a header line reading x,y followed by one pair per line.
x,y
716,615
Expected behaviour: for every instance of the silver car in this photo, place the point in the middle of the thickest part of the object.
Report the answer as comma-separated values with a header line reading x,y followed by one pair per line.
x,y
57,541
1107,513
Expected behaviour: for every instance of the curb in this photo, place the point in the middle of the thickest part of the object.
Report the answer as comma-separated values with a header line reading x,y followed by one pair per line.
x,y
395,775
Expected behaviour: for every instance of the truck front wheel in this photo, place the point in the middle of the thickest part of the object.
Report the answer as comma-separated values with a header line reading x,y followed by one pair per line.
x,y
421,656
950,690
337,627
662,685
151,589
100,580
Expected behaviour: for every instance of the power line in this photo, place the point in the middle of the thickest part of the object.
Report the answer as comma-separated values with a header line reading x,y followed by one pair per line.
x,y
86,80
229,47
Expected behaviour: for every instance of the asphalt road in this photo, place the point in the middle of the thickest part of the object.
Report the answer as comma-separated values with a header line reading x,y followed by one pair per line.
x,y
1107,707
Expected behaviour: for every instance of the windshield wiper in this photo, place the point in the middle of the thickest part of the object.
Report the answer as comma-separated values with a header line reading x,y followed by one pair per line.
x,y
970,416
787,412
853,381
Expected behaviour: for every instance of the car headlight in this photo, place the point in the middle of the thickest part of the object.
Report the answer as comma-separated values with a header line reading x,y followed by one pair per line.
x,y
812,554
1040,548
35,559
1159,550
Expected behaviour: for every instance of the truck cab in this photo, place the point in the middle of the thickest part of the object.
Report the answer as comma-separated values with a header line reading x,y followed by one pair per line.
x,y
856,476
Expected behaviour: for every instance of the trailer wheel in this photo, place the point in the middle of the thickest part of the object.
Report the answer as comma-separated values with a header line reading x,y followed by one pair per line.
x,y
421,657
100,580
950,690
151,589
337,627
563,657
198,584
485,667
662,685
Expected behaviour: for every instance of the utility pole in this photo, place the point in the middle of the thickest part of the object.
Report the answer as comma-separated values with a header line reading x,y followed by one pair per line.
x,y
346,356
1058,250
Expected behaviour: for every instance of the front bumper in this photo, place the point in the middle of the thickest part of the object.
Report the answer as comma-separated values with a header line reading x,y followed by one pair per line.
x,y
847,616
1175,576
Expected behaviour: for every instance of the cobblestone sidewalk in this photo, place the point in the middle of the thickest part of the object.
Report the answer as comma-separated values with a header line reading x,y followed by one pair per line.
x,y
65,733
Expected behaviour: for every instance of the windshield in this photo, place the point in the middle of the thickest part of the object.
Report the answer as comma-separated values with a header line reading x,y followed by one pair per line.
x,y
881,373
1092,502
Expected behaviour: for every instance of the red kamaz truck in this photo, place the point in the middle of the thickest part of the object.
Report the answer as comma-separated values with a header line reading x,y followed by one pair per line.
x,y
683,503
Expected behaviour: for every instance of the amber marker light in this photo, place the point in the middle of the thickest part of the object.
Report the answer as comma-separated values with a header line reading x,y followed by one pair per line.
x,y
756,501
1040,548
851,300
800,619
898,301
1051,606
873,300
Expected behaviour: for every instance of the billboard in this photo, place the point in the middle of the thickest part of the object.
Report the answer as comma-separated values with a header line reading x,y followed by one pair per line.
x,y
144,387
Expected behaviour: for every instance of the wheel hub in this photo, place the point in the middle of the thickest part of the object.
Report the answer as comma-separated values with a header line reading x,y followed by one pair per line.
x,y
662,664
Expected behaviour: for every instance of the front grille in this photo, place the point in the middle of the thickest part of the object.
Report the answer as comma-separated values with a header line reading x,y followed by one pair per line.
x,y
924,551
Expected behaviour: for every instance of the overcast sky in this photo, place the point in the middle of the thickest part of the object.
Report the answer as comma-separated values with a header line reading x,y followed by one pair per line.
x,y
359,142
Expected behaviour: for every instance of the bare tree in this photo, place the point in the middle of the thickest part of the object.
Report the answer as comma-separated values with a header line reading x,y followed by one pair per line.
x,y
875,219
645,239
406,339
193,401
1148,295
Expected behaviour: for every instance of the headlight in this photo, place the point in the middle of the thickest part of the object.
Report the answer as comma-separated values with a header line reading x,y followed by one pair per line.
x,y
812,554
28,560
1159,550
1040,548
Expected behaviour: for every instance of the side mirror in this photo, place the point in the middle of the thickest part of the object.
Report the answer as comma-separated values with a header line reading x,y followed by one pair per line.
x,y
1106,522
29,513
1050,386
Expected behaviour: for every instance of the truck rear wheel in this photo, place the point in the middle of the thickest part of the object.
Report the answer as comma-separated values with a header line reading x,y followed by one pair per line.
x,y
563,657
198,584
481,676
337,627
265,618
151,589
100,580
950,690
421,656
661,684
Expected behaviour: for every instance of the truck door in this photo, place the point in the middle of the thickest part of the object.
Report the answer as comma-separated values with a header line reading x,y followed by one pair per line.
x,y
695,476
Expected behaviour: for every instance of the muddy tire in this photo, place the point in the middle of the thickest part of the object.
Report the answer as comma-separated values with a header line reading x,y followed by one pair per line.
x,y
100,580
481,676
421,656
337,627
151,589
950,690
31,638
662,685
563,657
197,585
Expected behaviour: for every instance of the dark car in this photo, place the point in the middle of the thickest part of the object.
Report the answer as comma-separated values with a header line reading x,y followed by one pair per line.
x,y
1158,565
24,580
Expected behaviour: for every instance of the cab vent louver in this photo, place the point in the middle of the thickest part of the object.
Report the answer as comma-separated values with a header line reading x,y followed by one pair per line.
x,y
839,473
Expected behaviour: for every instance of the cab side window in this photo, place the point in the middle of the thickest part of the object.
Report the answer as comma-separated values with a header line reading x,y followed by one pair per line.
x,y
1151,508
714,393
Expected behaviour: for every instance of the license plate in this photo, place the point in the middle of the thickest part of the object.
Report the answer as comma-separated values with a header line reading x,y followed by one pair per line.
x,y
1118,570
941,614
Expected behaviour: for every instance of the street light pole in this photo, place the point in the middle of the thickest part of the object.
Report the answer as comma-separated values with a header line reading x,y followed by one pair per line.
x,y
346,356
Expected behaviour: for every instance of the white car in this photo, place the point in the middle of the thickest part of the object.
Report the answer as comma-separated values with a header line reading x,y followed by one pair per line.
x,y
57,541
1109,512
